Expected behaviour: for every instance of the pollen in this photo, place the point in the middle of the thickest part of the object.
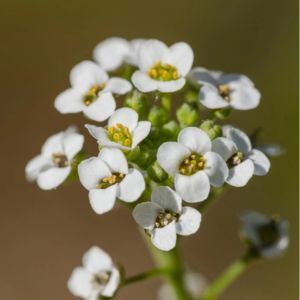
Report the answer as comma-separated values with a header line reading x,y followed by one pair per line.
x,y
165,217
109,181
192,164
235,159
224,91
93,93
120,134
60,160
163,72
101,279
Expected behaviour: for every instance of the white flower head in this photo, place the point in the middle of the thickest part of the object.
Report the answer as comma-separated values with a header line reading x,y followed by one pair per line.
x,y
192,164
162,68
269,237
113,52
91,92
54,164
123,131
164,217
219,90
97,277
242,160
107,178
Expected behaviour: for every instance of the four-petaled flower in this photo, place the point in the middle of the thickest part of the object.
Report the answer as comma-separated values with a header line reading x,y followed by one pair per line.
x,y
162,68
107,178
192,164
91,92
242,160
123,130
97,277
219,90
164,217
54,164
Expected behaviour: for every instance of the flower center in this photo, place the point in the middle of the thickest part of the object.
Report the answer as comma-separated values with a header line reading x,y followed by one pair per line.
x,y
235,159
224,91
120,134
101,279
93,93
60,160
192,164
109,181
164,218
268,234
163,72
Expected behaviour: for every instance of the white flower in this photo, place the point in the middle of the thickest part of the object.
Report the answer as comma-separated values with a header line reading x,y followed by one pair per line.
x,y
221,90
162,68
107,178
113,52
269,237
91,92
164,218
243,161
97,277
123,130
192,164
54,164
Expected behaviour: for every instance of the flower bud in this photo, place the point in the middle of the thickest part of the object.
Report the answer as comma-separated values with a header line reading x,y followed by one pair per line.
x,y
171,129
158,116
138,102
156,173
222,113
187,114
213,130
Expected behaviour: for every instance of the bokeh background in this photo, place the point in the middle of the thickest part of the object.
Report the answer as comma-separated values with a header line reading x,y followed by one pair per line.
x,y
43,234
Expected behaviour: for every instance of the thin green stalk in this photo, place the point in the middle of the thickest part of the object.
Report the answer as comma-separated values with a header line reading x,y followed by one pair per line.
x,y
142,276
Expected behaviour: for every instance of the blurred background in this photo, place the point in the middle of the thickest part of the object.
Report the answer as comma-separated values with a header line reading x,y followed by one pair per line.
x,y
44,234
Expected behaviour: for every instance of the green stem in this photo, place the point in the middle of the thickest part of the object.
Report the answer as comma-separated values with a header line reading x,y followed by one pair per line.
x,y
142,276
226,278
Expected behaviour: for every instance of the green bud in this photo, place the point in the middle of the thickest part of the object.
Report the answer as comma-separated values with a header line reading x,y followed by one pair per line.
x,y
133,155
145,159
156,173
222,113
187,114
158,116
138,102
171,129
191,96
75,162
213,130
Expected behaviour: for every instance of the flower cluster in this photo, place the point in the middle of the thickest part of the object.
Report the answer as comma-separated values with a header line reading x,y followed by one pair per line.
x,y
144,150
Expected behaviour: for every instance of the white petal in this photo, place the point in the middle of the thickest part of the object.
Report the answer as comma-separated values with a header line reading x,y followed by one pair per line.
x,y
240,139
132,186
115,159
261,162
91,171
53,144
210,97
72,144
189,221
103,200
37,165
69,101
86,74
241,174
118,86
195,139
164,238
244,97
224,147
146,213
113,283
235,79
111,52
132,57
143,82
166,198
102,108
125,116
194,188
80,283
170,86
140,132
151,52
170,155
180,56
203,76
53,177
96,260
215,168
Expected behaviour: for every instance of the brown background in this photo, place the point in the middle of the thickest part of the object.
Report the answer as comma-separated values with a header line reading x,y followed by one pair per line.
x,y
43,234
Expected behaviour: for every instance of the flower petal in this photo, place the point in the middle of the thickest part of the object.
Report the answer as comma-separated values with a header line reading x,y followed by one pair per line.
x,y
224,147
145,214
215,168
140,132
53,144
244,97
261,162
115,159
240,139
91,170
170,155
132,186
36,165
103,200
125,116
241,174
72,144
53,177
132,56
170,86
194,188
118,86
95,260
203,76
69,101
164,238
80,283
102,108
235,79
189,221
143,82
113,283
195,139
210,97
166,198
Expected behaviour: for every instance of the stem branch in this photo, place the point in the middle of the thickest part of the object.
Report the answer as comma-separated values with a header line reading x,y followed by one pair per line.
x,y
142,276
